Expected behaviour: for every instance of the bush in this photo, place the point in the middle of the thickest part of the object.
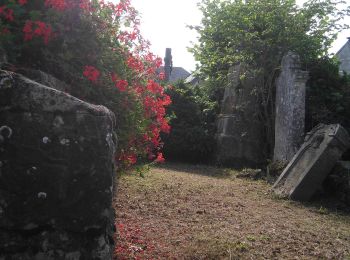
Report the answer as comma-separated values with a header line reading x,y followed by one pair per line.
x,y
193,125
328,95
82,43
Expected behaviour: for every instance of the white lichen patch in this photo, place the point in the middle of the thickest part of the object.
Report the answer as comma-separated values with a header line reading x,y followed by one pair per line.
x,y
109,140
31,170
101,241
46,140
58,122
5,132
64,141
73,255
45,245
42,195
6,81
27,116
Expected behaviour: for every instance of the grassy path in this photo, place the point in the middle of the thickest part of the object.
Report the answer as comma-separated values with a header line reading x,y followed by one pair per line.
x,y
197,212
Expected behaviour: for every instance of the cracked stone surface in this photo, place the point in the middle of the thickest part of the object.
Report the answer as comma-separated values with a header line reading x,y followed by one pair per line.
x,y
56,173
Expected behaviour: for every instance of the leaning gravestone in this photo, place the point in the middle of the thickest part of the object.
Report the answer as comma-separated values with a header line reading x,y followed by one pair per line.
x,y
290,108
56,174
239,131
305,173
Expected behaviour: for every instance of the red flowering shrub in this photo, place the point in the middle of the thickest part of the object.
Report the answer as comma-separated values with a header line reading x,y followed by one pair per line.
x,y
81,42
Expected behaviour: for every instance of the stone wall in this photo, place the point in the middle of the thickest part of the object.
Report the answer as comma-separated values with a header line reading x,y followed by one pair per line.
x,y
56,174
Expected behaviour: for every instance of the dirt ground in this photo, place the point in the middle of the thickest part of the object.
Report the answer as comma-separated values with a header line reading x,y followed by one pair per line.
x,y
198,212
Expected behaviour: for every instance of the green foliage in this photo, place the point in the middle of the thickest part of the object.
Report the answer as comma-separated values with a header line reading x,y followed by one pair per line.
x,y
193,125
258,33
328,95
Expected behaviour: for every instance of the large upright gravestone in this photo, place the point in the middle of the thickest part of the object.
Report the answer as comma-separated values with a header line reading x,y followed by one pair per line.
x,y
239,132
290,108
56,174
309,167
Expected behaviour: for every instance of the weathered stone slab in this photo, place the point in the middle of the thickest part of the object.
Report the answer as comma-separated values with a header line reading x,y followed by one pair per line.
x,y
239,131
305,173
56,174
290,108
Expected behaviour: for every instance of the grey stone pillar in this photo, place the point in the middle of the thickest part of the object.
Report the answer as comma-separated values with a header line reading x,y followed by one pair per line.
x,y
290,108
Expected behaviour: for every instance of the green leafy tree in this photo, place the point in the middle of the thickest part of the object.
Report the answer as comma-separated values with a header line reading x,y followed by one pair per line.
x,y
258,33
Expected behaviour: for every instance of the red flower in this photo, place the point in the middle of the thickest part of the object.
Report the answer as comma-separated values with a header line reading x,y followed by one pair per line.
x,y
9,15
121,85
132,159
59,5
165,127
85,5
161,76
154,87
2,9
160,158
135,64
27,29
4,31
91,73
43,30
22,2
166,101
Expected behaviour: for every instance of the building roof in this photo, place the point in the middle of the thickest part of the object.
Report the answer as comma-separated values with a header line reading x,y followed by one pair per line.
x,y
177,73
344,57
342,48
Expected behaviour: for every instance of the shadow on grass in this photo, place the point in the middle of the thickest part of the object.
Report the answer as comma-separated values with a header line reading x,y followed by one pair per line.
x,y
199,169
322,203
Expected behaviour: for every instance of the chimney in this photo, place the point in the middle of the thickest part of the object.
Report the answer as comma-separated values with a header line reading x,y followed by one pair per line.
x,y
168,64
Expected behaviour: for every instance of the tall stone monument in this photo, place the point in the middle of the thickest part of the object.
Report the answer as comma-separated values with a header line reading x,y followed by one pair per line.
x,y
239,133
290,108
